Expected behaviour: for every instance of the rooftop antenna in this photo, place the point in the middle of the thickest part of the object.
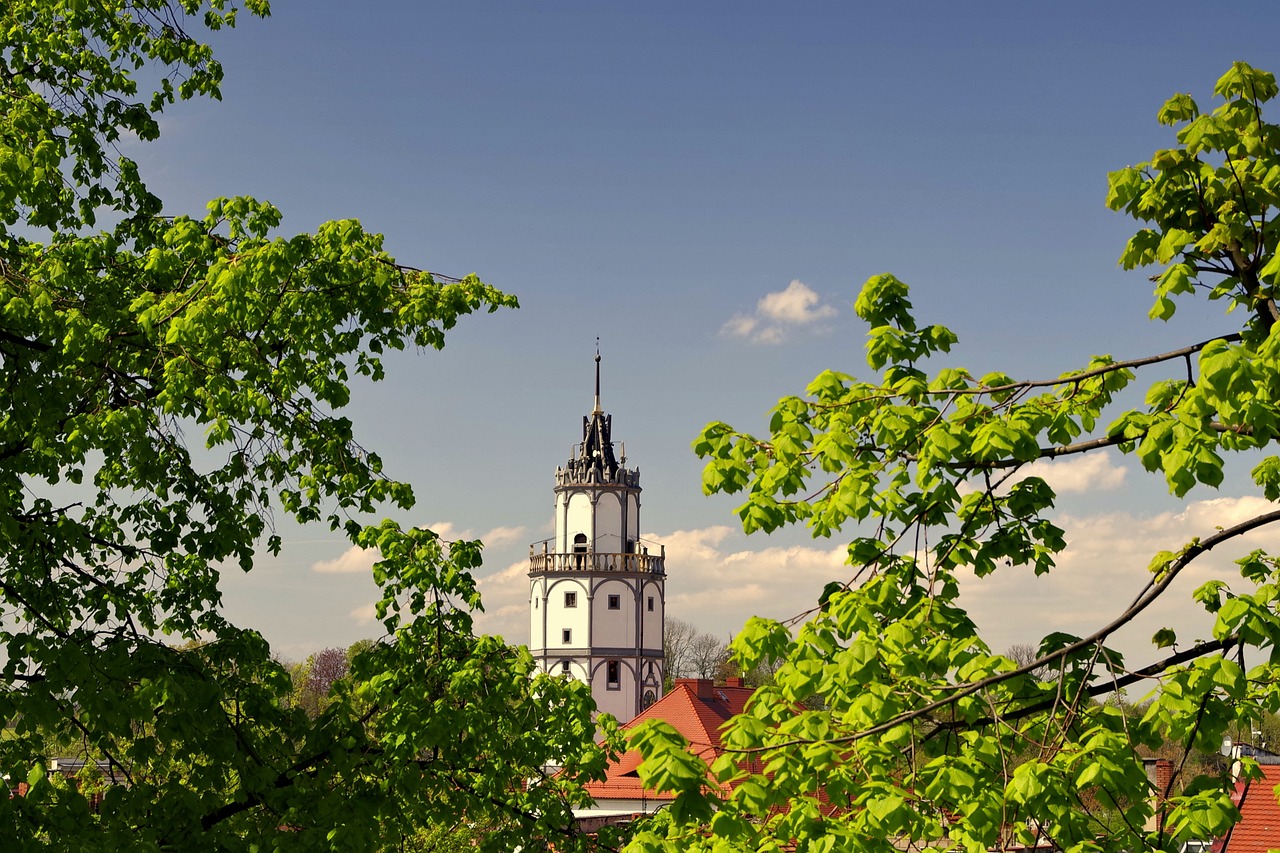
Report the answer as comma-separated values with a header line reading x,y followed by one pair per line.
x,y
596,410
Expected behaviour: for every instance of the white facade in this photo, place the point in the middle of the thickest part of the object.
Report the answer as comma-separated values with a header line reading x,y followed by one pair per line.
x,y
596,593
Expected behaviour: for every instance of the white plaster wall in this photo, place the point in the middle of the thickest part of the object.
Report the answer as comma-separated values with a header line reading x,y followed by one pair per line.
x,y
608,807
614,628
559,617
536,639
558,524
633,515
622,702
608,523
577,521
577,667
652,621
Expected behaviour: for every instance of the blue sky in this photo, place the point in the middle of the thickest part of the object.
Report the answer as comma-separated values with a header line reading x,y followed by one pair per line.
x,y
647,173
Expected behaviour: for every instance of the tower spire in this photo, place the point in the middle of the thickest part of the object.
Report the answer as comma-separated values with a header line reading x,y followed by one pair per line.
x,y
597,410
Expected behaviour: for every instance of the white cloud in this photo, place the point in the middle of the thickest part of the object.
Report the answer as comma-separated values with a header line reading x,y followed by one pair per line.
x,y
493,538
365,614
740,325
798,304
1105,568
718,591
716,583
1094,472
1091,472
778,313
499,536
505,596
354,559
447,531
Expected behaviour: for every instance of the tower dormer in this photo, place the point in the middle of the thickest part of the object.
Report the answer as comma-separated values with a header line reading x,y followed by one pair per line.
x,y
597,599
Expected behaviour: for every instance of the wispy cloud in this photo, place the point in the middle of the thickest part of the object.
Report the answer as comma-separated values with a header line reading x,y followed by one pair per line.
x,y
499,536
365,614
356,559
493,538
1088,473
778,314
1094,472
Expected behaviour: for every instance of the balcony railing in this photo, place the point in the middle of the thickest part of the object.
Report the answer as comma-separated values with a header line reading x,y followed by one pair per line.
x,y
596,561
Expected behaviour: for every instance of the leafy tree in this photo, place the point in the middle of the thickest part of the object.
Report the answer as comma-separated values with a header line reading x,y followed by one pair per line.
x,y
922,736
314,678
328,666
118,344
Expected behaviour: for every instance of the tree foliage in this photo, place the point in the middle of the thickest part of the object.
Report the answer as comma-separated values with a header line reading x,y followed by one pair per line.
x,y
170,384
314,679
921,735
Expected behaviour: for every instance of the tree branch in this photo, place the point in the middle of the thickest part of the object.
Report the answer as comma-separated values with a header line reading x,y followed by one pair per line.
x,y
1153,589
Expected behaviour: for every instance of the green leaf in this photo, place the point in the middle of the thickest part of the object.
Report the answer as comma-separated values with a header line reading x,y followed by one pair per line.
x,y
1178,108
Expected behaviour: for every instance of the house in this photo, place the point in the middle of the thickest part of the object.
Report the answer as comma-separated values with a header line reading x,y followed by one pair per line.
x,y
696,708
1258,830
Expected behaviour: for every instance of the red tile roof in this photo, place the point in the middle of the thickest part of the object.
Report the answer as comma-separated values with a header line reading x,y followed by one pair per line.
x,y
1259,828
696,708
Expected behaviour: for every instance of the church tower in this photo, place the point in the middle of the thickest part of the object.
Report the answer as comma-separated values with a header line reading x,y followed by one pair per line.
x,y
596,601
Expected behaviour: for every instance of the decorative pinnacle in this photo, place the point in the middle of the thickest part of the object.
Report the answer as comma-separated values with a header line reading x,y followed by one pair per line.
x,y
597,409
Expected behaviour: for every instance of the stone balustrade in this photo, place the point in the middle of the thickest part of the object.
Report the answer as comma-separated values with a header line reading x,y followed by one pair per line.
x,y
596,561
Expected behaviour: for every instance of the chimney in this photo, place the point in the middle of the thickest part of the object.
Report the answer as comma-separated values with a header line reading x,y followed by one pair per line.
x,y
733,682
1164,776
1159,776
703,688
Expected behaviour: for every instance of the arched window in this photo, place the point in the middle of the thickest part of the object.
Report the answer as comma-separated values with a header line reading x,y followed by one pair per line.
x,y
648,699
580,543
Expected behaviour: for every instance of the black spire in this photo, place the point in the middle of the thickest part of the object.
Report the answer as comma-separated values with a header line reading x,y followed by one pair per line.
x,y
596,452
596,410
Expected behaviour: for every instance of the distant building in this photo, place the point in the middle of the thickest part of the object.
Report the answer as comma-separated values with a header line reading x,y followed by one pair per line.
x,y
596,595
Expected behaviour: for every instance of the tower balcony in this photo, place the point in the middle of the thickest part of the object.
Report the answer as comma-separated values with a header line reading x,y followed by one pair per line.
x,y
596,561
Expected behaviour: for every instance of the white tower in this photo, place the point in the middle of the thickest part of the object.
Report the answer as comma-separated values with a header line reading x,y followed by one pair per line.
x,y
596,601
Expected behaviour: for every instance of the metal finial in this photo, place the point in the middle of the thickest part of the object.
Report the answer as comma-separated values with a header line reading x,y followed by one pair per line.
x,y
597,410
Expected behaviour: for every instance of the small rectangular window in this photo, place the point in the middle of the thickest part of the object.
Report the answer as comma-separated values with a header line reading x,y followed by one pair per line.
x,y
651,604
566,636
570,599
612,675
615,602
564,667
